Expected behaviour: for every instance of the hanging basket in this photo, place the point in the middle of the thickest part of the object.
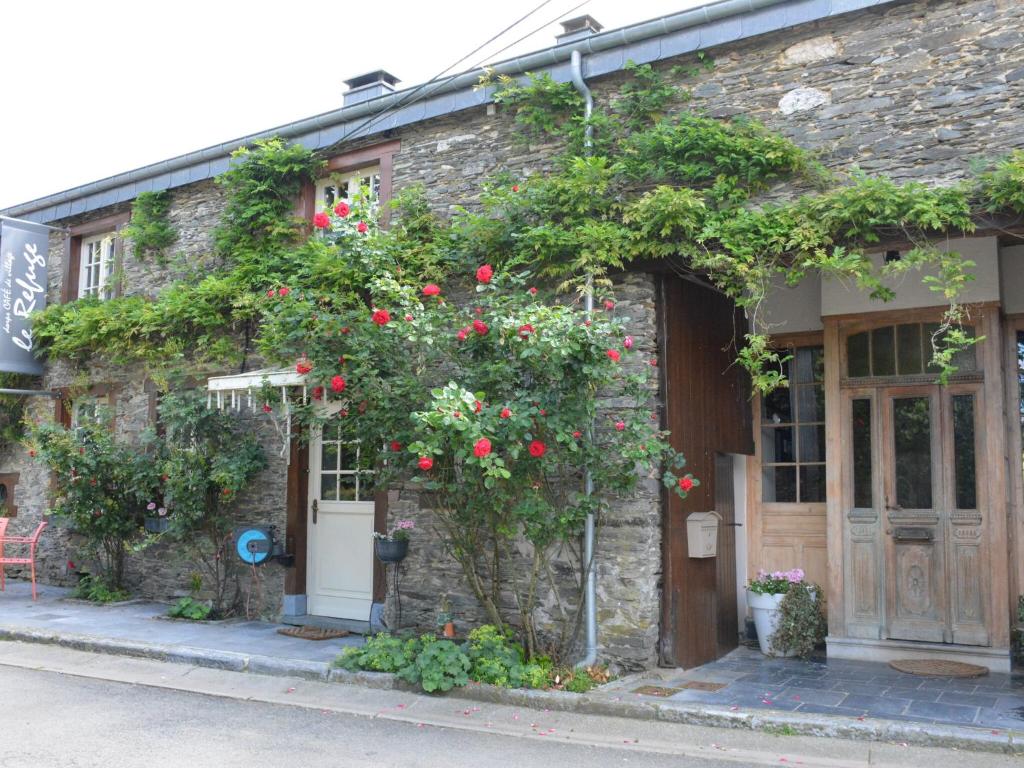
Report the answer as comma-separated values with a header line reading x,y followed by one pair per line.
x,y
391,551
157,524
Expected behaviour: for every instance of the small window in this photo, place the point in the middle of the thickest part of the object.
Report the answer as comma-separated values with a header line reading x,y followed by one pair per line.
x,y
96,267
362,186
86,410
344,470
793,433
903,350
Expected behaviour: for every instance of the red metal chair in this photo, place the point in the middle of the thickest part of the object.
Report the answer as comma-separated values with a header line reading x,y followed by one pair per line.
x,y
27,541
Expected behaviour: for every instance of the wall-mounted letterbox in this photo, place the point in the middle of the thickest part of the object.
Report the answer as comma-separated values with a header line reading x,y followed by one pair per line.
x,y
702,533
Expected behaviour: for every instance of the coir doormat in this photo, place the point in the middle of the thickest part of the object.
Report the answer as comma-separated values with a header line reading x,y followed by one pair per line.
x,y
938,668
313,633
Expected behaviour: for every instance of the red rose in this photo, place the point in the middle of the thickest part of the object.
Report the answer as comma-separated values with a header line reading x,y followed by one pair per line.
x,y
381,317
431,289
543,412
525,330
620,425
321,221
267,408
685,483
533,291
342,209
609,304
304,366
515,187
577,434
482,447
408,318
426,463
270,293
480,327
461,335
361,227
395,446
477,406
485,273
586,323
505,413
284,290
226,491
654,362
628,342
318,393
338,384
346,330
537,449
613,355
457,414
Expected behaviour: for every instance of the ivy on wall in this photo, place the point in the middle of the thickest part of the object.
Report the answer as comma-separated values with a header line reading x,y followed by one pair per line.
x,y
149,231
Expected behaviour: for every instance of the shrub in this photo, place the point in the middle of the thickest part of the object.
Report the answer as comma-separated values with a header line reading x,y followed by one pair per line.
x,y
440,666
497,660
801,622
190,608
381,653
96,590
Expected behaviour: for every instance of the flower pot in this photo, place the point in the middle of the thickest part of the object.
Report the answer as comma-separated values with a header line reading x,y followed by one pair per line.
x,y
449,629
766,619
157,524
391,551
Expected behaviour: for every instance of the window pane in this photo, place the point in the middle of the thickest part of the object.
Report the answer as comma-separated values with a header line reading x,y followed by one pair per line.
x,y
777,445
329,457
810,365
908,349
347,485
777,407
812,483
862,470
883,352
779,484
963,452
328,487
967,360
812,443
912,438
810,403
347,456
857,349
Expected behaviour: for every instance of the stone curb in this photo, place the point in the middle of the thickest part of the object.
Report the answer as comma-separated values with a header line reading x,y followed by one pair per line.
x,y
775,723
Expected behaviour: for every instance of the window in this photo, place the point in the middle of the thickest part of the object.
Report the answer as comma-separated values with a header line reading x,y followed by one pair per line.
x,y
86,410
899,350
344,468
362,186
96,266
793,433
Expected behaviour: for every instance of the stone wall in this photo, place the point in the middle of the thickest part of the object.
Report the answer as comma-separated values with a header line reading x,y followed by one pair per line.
x,y
915,90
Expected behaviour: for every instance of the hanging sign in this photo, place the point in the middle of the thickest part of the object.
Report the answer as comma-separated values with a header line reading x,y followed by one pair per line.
x,y
24,251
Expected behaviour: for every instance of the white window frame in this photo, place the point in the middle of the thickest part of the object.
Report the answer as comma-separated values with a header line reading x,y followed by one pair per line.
x,y
86,409
338,186
344,447
96,276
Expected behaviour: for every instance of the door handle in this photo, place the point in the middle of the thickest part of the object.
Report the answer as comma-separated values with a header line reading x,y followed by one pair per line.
x,y
316,508
733,525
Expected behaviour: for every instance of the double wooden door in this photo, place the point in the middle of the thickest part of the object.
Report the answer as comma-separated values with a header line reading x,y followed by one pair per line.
x,y
919,475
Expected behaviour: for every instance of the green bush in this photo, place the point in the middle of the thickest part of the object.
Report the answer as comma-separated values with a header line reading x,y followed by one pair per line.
x,y
98,590
190,608
440,666
381,653
497,660
802,624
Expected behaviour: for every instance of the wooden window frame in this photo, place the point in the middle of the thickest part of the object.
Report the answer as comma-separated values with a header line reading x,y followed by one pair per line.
x,y
73,253
380,155
64,404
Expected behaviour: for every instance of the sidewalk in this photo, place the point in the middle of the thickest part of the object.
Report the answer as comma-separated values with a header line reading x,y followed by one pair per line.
x,y
744,690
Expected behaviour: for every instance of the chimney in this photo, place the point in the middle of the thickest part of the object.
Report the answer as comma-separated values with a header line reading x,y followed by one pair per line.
x,y
368,86
578,28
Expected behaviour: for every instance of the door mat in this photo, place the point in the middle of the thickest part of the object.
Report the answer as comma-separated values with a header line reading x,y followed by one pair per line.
x,y
656,690
938,668
313,633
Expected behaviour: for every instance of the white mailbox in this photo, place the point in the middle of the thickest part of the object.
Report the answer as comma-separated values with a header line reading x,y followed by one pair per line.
x,y
702,533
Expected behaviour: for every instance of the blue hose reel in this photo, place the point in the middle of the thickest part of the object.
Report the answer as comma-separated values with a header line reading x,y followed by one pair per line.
x,y
258,544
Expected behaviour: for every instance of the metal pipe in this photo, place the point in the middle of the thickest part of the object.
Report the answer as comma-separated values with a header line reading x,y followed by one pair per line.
x,y
589,533
29,392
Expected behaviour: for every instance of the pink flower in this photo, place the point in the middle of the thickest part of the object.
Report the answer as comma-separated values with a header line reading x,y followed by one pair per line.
x,y
537,449
426,463
267,408
303,366
685,483
321,221
620,425
361,227
485,273
342,209
284,290
480,327
505,413
431,289
381,317
338,384
482,447
525,330
408,318
628,342
533,290
270,293
613,355
654,362
461,335
609,305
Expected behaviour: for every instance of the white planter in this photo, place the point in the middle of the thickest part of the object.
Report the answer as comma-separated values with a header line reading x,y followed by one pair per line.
x,y
766,619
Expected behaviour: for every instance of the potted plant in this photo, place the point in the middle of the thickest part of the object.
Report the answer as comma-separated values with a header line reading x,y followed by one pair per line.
x,y
766,595
156,520
393,546
444,618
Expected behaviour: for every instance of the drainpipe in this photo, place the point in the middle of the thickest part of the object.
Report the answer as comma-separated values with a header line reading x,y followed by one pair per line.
x,y
590,593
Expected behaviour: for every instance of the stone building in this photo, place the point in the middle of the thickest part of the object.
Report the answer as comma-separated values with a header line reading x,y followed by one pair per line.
x,y
912,89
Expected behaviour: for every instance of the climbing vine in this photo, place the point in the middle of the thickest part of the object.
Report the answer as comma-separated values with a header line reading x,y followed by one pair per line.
x,y
149,230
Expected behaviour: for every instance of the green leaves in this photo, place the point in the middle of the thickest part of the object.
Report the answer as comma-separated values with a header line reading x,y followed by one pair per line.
x,y
149,230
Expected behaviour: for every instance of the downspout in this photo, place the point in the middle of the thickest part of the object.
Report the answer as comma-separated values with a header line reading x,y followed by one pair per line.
x,y
590,591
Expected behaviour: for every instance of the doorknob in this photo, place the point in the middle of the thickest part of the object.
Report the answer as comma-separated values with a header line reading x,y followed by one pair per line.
x,y
316,508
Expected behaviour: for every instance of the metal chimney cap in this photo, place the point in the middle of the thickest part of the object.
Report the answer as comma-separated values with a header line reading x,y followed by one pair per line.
x,y
372,78
585,23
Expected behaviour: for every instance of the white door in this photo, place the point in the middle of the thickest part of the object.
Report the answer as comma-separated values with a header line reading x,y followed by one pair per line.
x,y
340,530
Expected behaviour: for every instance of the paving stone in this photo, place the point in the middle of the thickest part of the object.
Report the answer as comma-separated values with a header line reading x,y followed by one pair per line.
x,y
969,699
947,713
876,706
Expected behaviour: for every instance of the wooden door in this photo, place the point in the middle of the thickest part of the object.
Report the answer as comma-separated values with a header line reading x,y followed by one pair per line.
x,y
340,529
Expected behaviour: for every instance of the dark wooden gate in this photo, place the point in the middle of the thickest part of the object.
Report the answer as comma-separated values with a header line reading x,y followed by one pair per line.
x,y
707,400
